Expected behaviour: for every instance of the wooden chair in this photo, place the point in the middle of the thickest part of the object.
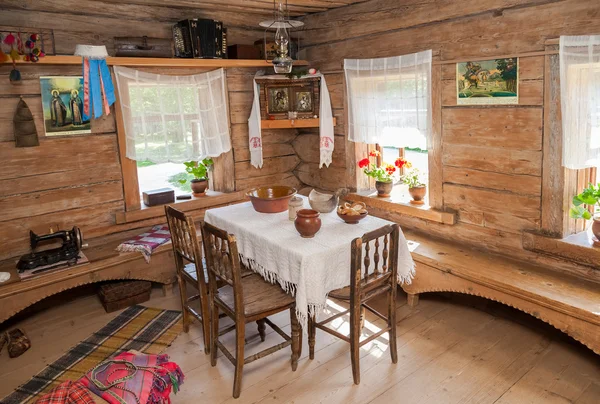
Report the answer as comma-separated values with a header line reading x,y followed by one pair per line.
x,y
365,284
244,300
190,270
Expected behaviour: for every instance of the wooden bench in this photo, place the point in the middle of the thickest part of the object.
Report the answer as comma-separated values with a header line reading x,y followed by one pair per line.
x,y
570,304
104,264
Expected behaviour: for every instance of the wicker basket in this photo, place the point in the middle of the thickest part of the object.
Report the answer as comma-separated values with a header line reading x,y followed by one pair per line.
x,y
119,295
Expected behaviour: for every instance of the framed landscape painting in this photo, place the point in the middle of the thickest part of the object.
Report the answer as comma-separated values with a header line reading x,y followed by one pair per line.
x,y
488,82
62,103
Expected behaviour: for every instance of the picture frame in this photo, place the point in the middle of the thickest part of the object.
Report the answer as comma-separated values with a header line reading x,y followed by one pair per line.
x,y
488,82
62,106
279,98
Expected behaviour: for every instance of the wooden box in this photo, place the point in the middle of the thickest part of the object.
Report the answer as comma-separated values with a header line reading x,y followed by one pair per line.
x,y
160,196
278,97
119,295
144,47
243,52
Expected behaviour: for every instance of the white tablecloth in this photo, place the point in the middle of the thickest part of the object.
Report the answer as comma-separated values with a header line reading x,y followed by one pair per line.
x,y
308,268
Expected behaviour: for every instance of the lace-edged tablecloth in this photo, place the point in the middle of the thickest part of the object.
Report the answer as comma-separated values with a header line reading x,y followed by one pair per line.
x,y
307,268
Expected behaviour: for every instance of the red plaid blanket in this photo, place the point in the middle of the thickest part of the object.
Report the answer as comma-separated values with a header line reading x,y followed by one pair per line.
x,y
68,393
147,242
135,378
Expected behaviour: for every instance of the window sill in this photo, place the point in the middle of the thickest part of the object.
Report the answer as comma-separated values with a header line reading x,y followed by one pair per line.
x,y
399,205
211,199
577,248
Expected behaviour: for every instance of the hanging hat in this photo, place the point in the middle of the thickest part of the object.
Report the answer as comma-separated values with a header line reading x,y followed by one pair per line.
x,y
91,51
24,126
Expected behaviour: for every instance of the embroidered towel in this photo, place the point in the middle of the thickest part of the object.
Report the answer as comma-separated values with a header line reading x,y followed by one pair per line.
x,y
326,132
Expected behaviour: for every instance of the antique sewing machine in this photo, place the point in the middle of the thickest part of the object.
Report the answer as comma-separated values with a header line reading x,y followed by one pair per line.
x,y
72,243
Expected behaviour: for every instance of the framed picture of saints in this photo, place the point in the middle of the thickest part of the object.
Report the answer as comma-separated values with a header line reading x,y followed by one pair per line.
x,y
62,105
280,96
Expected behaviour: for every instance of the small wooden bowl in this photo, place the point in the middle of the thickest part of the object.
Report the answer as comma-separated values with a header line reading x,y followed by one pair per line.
x,y
349,219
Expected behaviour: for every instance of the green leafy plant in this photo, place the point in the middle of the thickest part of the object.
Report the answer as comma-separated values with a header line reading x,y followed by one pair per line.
x,y
412,178
199,169
589,196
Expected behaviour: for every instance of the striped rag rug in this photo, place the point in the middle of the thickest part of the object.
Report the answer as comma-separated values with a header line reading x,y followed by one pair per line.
x,y
139,328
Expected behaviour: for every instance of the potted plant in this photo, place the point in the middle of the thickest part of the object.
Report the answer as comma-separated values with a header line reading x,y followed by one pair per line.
x,y
199,169
590,197
383,175
416,187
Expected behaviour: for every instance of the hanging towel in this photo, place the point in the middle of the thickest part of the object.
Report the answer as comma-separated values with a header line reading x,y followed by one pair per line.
x,y
98,90
326,132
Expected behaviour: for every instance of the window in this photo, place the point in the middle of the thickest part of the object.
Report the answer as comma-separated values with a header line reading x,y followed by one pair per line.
x,y
168,120
389,106
580,107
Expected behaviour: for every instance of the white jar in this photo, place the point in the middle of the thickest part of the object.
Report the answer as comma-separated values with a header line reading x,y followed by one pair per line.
x,y
295,204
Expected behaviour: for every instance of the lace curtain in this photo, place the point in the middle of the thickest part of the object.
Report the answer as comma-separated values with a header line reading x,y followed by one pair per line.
x,y
173,118
389,100
580,100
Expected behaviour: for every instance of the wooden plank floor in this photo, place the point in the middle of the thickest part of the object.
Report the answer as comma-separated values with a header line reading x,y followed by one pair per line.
x,y
451,349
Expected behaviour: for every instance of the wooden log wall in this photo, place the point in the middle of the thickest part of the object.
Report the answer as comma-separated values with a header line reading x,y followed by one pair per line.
x,y
77,180
97,22
492,155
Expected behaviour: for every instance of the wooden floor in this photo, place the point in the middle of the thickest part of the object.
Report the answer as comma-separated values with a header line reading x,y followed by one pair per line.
x,y
451,350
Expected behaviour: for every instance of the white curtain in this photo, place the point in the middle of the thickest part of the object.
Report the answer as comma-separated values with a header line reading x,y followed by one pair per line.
x,y
389,100
580,100
174,118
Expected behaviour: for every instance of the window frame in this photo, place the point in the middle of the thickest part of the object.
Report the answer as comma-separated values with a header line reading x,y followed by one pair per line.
x,y
222,180
434,210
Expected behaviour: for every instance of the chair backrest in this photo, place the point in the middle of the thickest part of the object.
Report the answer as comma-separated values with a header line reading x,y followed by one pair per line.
x,y
184,240
377,267
222,261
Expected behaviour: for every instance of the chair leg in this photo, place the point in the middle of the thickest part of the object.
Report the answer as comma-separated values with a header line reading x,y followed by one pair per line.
x,y
355,332
183,295
240,333
214,334
392,325
312,331
205,310
261,329
412,299
296,339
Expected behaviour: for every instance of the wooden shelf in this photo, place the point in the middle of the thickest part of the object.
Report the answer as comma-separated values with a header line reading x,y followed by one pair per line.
x,y
292,123
160,62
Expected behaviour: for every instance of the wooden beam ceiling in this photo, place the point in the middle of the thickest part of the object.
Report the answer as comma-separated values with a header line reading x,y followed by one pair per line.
x,y
265,7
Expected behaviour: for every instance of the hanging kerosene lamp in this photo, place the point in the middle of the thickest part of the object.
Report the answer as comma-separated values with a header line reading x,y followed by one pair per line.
x,y
282,62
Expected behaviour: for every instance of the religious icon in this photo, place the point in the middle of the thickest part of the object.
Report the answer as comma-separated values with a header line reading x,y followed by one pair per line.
x,y
76,108
63,106
279,100
303,101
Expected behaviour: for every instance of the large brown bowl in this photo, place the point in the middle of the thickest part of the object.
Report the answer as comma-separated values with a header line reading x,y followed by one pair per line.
x,y
271,199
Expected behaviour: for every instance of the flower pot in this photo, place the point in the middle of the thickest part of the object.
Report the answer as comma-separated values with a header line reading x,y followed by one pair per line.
x,y
596,230
307,222
384,189
418,194
199,186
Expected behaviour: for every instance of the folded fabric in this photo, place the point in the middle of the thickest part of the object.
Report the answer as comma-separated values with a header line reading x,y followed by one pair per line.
x,y
147,242
68,392
135,378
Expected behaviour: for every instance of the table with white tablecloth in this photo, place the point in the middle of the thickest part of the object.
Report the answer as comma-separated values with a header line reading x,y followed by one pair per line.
x,y
308,268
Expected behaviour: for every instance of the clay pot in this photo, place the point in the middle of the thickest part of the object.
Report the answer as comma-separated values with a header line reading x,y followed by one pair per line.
x,y
384,189
418,193
596,228
307,222
199,186
273,199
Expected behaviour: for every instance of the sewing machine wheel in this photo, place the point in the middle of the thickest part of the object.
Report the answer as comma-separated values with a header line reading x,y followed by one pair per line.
x,y
78,237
